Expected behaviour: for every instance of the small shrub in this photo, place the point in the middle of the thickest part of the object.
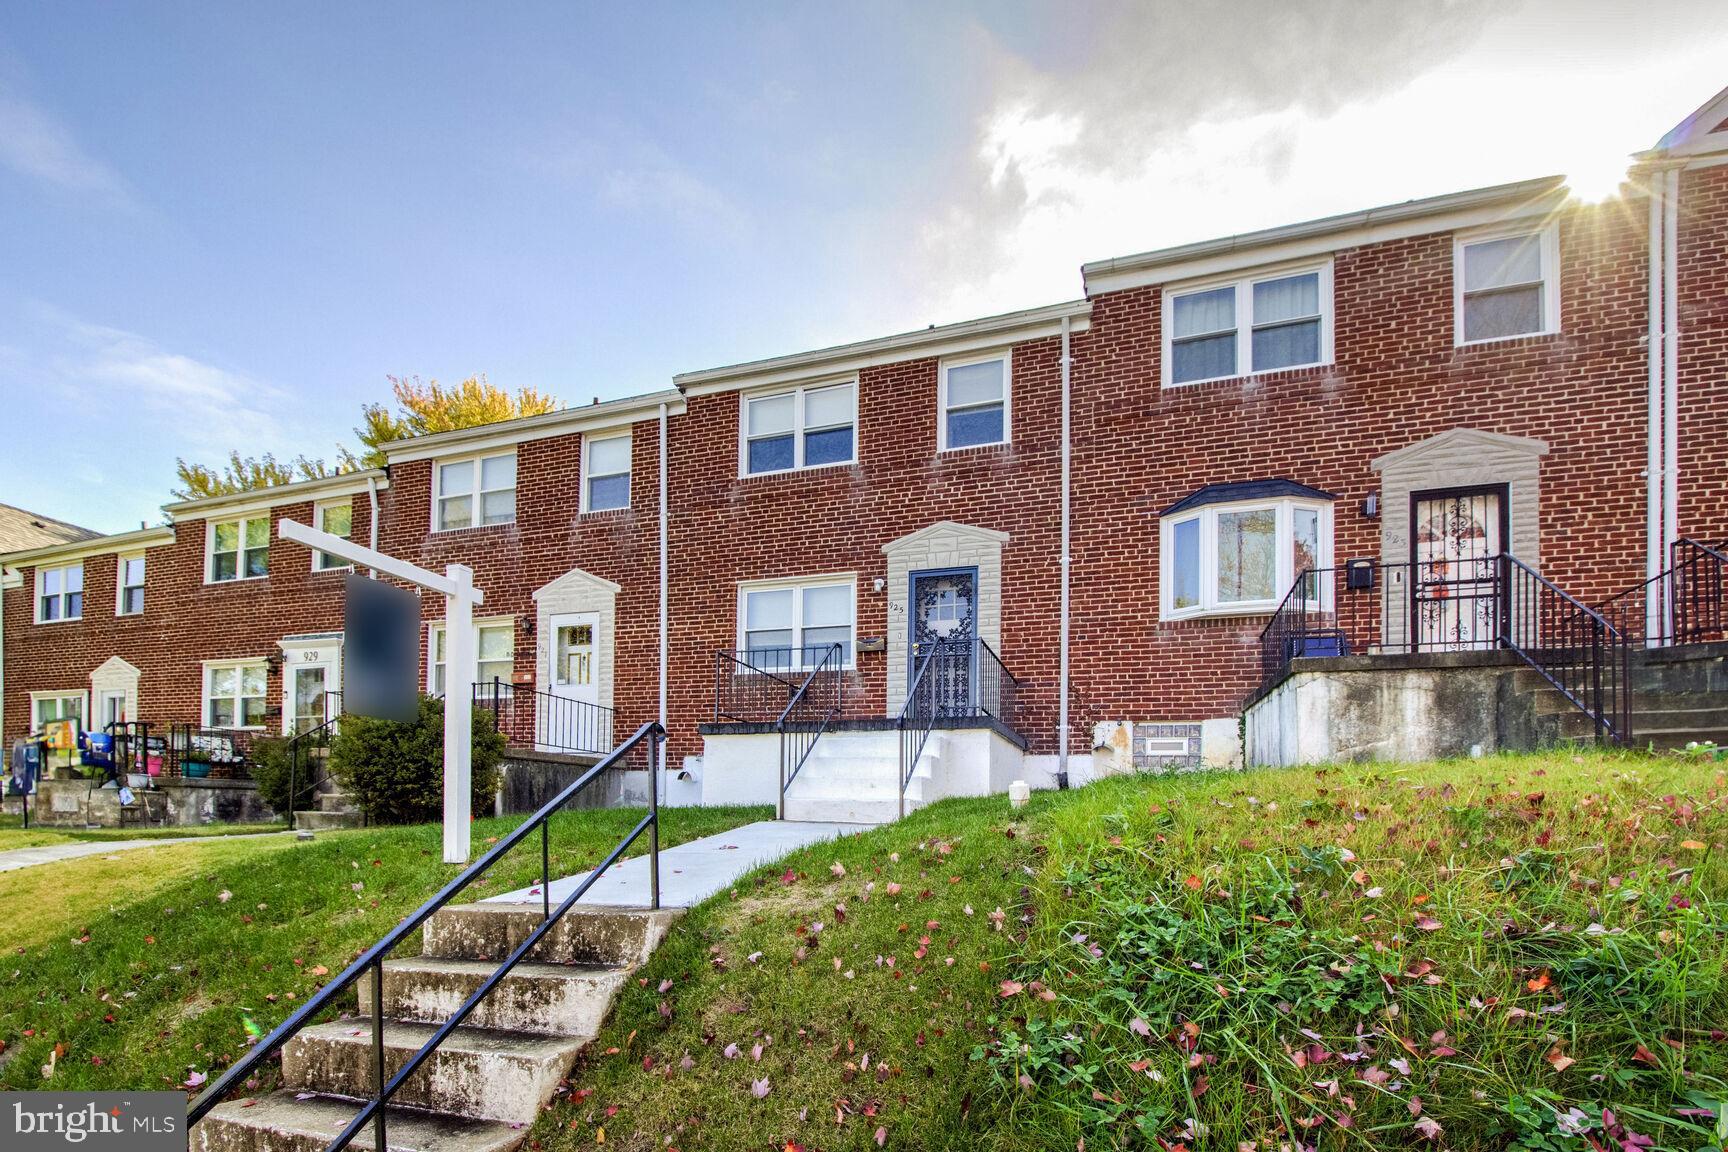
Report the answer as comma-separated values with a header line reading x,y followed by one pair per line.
x,y
274,773
395,772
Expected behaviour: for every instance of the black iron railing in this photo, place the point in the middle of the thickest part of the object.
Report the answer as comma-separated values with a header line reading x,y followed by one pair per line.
x,y
952,680
754,685
1687,603
545,720
219,753
648,741
806,717
1573,646
308,753
1369,608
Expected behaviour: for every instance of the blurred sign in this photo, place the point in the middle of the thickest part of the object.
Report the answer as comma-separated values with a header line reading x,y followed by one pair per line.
x,y
381,651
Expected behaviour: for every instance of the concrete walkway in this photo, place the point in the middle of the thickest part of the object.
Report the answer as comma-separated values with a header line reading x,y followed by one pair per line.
x,y
48,853
691,872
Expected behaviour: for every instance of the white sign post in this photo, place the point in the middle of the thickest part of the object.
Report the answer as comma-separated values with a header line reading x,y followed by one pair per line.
x,y
460,597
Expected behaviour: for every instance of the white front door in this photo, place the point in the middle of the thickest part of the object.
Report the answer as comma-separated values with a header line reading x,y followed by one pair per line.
x,y
311,684
573,719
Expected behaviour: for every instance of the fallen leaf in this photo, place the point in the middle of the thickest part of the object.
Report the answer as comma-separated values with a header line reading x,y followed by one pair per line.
x,y
760,1088
1429,1128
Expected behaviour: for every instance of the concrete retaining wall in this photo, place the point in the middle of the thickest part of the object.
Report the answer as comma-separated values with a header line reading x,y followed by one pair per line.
x,y
179,803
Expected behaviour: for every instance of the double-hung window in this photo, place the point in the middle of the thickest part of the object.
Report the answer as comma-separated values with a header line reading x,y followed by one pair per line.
x,y
974,402
47,707
475,492
239,549
336,518
59,593
129,580
786,627
605,473
1256,324
1242,558
803,428
495,645
234,694
1506,285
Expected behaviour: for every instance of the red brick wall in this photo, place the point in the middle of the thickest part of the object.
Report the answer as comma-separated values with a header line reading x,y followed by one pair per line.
x,y
184,623
1397,378
1703,361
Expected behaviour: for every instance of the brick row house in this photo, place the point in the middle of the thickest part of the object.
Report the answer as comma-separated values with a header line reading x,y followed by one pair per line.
x,y
1369,399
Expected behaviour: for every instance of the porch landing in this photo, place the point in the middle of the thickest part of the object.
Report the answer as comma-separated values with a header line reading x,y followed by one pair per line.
x,y
691,872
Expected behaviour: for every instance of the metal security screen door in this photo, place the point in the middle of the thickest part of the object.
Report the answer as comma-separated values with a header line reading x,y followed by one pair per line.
x,y
945,622
1456,537
310,682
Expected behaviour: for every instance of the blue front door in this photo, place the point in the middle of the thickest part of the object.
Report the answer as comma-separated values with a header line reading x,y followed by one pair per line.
x,y
943,633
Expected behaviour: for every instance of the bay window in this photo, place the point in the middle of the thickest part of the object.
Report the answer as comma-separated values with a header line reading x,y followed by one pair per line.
x,y
1240,558
1254,324
791,626
803,428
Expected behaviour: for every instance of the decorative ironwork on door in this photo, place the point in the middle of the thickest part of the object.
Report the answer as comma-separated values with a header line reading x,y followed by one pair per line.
x,y
944,626
1457,538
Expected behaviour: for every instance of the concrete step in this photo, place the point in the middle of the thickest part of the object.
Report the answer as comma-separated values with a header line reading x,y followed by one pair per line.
x,y
477,1073
281,1123
327,821
335,802
1710,719
847,810
555,999
1676,737
490,930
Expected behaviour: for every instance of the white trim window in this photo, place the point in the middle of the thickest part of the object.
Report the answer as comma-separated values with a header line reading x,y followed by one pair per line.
x,y
605,473
973,405
337,518
238,549
129,585
234,693
47,707
1241,558
484,482
59,594
789,625
495,644
1506,284
1264,323
804,428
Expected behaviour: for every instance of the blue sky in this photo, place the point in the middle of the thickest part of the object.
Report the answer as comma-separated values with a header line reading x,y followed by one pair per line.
x,y
224,225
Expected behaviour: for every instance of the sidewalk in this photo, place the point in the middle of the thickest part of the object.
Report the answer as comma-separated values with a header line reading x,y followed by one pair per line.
x,y
692,872
49,853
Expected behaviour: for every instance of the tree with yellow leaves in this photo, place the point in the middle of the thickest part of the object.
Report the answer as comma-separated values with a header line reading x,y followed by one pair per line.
x,y
422,408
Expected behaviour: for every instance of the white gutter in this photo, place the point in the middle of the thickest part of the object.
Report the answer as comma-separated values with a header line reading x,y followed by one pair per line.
x,y
1653,456
1062,642
1670,368
372,542
663,567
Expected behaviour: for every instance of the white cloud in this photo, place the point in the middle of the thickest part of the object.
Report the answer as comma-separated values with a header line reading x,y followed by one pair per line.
x,y
1177,128
34,143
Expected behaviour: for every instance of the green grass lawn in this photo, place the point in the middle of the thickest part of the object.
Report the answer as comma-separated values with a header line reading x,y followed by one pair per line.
x,y
13,834
1480,954
136,971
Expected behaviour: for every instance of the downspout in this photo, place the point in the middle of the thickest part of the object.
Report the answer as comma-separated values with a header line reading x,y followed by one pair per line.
x,y
372,533
663,572
1653,530
1062,641
1670,369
